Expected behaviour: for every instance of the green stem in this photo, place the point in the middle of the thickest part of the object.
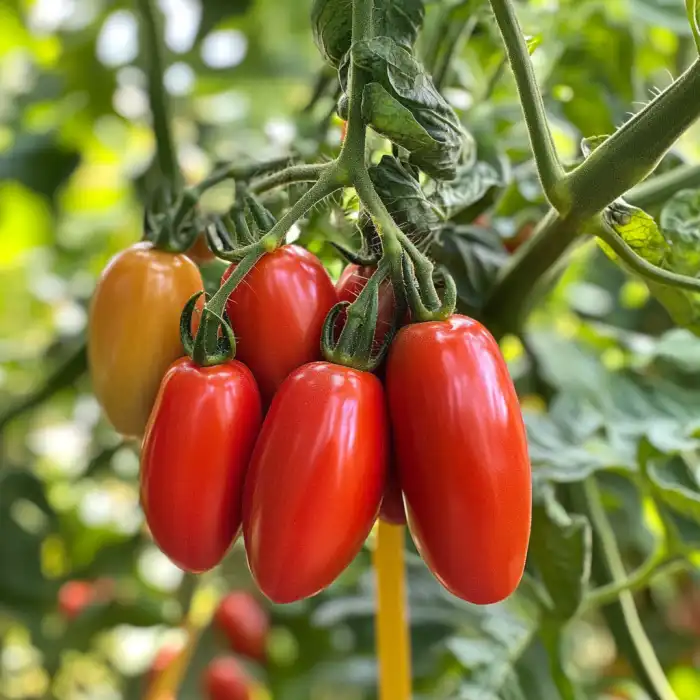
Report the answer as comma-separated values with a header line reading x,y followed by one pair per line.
x,y
160,104
549,167
659,189
640,265
634,150
458,37
653,670
288,176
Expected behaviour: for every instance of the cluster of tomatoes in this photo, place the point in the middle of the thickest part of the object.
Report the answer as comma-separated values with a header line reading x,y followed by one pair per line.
x,y
244,625
301,453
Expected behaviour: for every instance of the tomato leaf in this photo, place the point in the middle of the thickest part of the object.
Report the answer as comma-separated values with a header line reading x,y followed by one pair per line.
x,y
674,482
331,21
472,183
560,548
402,103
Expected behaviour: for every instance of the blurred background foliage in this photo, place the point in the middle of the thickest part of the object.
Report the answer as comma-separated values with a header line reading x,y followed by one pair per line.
x,y
610,387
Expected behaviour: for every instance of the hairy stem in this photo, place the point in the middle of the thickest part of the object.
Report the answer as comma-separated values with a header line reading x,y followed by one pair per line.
x,y
288,176
659,189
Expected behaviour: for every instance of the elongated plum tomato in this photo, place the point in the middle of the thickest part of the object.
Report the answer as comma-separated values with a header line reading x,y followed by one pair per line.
x,y
245,623
225,679
352,281
134,330
315,481
461,454
278,312
194,458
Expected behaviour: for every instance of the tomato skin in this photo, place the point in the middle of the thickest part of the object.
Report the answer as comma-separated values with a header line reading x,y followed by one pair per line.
x,y
225,679
351,282
316,479
461,452
393,510
245,623
194,458
277,313
200,252
134,330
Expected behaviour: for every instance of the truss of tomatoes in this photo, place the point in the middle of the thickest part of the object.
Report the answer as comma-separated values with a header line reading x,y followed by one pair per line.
x,y
302,455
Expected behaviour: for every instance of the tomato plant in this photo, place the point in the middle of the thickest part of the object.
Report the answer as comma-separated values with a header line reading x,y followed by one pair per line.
x,y
201,431
315,482
278,312
134,332
245,623
461,456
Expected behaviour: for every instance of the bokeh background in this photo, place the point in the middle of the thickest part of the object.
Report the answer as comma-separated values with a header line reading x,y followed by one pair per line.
x,y
603,370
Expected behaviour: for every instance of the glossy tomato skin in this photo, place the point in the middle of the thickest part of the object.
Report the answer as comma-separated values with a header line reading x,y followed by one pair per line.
x,y
194,458
225,679
351,282
277,313
316,478
245,623
134,330
461,454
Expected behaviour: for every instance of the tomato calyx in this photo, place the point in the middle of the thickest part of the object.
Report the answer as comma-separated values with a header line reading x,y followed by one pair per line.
x,y
355,346
421,283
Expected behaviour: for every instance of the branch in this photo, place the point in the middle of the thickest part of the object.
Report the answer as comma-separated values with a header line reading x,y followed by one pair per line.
x,y
549,167
659,189
288,176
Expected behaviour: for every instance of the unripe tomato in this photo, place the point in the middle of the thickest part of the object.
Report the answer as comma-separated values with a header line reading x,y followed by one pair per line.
x,y
245,623
277,313
200,252
316,479
74,597
352,281
134,330
225,679
392,510
461,454
195,453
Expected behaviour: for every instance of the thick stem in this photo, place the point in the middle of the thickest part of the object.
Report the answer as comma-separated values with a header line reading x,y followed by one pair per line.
x,y
657,190
152,43
549,167
288,176
635,149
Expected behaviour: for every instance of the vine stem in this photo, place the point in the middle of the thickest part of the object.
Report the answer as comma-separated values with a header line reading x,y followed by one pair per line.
x,y
288,176
549,167
158,98
599,519
656,190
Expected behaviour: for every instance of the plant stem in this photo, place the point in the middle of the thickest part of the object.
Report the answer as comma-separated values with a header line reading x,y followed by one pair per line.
x,y
653,671
634,150
295,173
549,167
158,98
456,41
659,189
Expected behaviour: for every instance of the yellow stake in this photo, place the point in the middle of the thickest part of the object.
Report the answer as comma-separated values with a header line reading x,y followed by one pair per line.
x,y
393,638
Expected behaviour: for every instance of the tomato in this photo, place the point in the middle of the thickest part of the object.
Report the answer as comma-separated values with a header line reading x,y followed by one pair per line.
x,y
316,479
195,453
74,597
225,679
134,330
392,510
245,623
352,281
277,313
461,454
524,234
200,252
165,656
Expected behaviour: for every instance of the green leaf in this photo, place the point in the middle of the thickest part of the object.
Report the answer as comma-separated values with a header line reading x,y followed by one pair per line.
x,y
402,103
404,198
560,547
471,184
331,21
680,223
676,485
474,256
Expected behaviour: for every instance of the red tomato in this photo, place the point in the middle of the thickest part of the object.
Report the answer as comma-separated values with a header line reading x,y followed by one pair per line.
x,y
461,454
392,510
225,679
316,479
277,313
74,597
195,453
352,281
245,623
524,234
165,656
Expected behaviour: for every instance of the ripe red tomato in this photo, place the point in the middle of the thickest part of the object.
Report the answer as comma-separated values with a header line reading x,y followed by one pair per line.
x,y
461,454
245,623
316,479
277,313
392,510
524,234
225,679
74,597
134,330
195,453
352,281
